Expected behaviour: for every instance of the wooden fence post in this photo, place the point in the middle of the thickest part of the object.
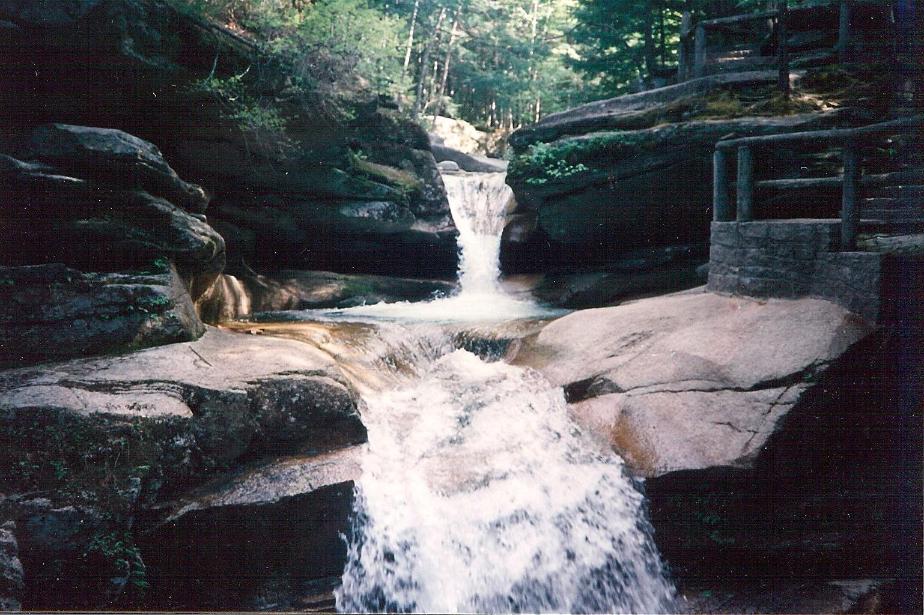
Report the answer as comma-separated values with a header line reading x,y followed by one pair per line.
x,y
745,184
783,49
721,205
850,213
843,33
699,51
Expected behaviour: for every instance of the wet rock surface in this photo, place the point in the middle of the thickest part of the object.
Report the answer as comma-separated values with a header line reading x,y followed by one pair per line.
x,y
231,297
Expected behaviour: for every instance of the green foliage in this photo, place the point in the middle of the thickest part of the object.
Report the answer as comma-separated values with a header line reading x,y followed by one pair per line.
x,y
338,41
160,265
545,162
569,157
122,557
625,44
239,105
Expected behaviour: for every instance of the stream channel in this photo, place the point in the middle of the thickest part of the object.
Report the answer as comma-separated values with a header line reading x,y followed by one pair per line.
x,y
478,493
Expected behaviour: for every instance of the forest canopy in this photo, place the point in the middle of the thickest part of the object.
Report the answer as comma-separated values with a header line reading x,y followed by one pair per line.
x,y
495,63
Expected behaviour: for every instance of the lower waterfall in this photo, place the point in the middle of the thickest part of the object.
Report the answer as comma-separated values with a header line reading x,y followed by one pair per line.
x,y
478,494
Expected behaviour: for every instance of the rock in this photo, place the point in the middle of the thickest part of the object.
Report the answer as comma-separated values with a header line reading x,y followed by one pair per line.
x,y
59,218
89,314
630,111
226,404
637,274
114,159
381,238
448,166
428,201
11,573
54,546
262,538
750,422
137,66
233,298
458,135
107,437
820,596
468,162
598,195
680,387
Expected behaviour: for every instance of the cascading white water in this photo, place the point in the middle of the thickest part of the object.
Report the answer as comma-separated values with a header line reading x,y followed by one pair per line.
x,y
478,202
478,494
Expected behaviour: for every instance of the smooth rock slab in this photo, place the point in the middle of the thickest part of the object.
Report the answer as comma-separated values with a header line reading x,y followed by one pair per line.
x,y
127,432
690,380
239,390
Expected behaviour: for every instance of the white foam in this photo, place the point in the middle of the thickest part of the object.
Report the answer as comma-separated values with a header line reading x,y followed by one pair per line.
x,y
479,495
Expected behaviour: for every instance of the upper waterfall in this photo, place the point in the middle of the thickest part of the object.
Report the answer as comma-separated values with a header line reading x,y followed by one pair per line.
x,y
478,202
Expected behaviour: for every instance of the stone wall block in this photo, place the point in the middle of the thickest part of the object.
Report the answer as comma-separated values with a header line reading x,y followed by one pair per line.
x,y
792,259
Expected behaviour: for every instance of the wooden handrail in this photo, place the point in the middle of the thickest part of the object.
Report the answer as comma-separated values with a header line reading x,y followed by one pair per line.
x,y
736,19
698,31
850,140
824,137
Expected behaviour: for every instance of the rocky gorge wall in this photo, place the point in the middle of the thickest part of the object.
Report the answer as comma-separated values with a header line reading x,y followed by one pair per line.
x,y
356,191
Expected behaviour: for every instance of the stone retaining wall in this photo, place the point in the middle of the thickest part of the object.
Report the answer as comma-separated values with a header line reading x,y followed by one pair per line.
x,y
794,258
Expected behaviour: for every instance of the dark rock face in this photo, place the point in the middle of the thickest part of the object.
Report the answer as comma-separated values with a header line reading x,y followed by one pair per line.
x,y
97,199
113,158
636,274
835,493
134,65
596,196
350,236
11,582
89,313
287,518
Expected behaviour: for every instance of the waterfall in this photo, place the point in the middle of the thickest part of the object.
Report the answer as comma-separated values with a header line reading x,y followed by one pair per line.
x,y
478,493
478,202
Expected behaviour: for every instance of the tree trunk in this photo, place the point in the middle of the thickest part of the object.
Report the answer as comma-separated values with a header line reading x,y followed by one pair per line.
x,y
648,38
410,36
419,102
449,47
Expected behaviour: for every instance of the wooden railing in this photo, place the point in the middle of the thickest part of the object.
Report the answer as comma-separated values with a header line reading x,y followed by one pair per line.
x,y
694,65
850,140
